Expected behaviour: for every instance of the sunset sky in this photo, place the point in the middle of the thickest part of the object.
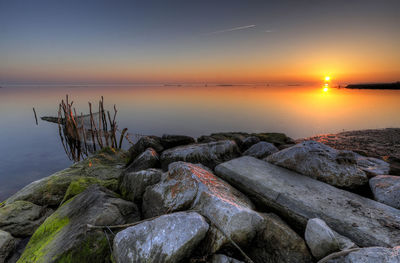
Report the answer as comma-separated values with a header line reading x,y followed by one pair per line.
x,y
199,41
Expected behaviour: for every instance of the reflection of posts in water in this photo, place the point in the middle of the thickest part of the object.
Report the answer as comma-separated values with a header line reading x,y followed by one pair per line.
x,y
77,138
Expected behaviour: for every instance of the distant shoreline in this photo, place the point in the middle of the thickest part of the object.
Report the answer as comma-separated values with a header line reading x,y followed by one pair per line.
x,y
391,86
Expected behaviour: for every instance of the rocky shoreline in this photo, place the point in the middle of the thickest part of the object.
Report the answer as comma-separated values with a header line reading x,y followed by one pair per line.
x,y
225,197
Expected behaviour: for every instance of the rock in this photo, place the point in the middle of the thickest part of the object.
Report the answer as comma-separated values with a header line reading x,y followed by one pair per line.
x,y
321,162
344,242
372,166
386,189
277,242
248,142
208,154
21,218
261,150
78,186
220,258
132,185
7,245
148,159
394,163
19,249
170,141
298,198
278,139
237,137
169,238
65,237
107,164
371,255
188,186
149,142
320,238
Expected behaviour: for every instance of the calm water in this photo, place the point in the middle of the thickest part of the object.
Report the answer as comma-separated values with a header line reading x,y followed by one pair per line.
x,y
29,152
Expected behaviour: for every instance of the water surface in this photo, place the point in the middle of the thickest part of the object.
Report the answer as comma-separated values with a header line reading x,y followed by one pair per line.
x,y
29,152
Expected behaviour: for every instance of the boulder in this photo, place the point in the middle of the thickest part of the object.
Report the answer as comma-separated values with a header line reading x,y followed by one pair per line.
x,y
386,189
298,198
220,258
132,185
65,236
372,166
170,141
277,242
261,150
22,218
147,159
320,238
237,137
208,154
394,163
189,186
321,162
7,245
79,185
148,142
370,255
248,142
107,164
168,238
278,139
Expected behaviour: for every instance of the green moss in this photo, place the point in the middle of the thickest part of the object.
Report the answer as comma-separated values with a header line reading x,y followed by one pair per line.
x,y
39,243
95,248
78,186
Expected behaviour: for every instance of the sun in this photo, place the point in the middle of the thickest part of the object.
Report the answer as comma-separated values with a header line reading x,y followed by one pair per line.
x,y
327,78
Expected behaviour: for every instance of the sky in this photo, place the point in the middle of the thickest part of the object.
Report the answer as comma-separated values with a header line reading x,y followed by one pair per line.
x,y
199,41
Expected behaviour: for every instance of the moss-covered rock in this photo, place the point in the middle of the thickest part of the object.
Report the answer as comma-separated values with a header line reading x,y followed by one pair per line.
x,y
22,218
78,186
107,164
65,237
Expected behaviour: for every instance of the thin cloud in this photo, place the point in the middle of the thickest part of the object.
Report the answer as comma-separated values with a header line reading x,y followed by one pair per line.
x,y
231,29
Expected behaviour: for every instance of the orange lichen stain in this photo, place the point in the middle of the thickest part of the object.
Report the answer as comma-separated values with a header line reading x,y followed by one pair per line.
x,y
90,164
216,186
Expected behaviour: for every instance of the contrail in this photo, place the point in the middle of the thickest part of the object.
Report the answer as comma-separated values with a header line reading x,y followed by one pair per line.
x,y
231,29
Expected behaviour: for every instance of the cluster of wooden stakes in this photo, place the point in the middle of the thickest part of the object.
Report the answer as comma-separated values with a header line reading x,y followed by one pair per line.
x,y
84,134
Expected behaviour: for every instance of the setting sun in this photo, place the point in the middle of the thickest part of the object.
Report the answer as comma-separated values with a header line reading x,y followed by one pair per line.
x,y
327,78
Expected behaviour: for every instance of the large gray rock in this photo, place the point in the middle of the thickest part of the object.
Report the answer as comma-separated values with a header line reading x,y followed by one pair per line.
x,y
208,154
65,236
278,243
132,185
261,150
22,218
321,162
170,141
320,238
7,245
298,198
386,189
169,238
220,258
189,186
370,255
106,164
147,159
